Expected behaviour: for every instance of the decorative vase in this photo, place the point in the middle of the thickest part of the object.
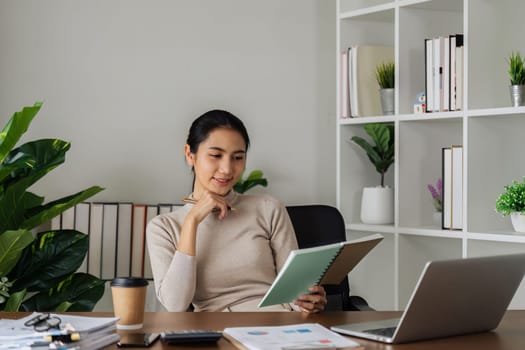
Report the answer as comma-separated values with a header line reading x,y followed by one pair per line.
x,y
518,222
377,205
387,101
517,95
436,219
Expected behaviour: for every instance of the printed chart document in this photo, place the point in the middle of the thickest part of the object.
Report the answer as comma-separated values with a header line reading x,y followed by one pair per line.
x,y
327,264
289,337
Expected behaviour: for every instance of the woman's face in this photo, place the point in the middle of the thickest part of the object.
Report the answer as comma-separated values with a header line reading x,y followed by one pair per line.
x,y
219,161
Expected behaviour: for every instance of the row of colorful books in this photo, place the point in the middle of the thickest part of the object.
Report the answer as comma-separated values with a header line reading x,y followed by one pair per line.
x,y
359,90
117,236
452,188
444,73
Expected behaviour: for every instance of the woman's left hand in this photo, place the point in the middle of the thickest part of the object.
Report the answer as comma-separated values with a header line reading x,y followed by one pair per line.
x,y
313,302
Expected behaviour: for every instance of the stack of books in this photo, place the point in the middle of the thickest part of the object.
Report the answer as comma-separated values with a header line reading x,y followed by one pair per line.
x,y
359,90
444,73
74,332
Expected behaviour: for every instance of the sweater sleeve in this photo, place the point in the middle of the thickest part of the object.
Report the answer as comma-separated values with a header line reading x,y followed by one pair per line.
x,y
174,273
282,236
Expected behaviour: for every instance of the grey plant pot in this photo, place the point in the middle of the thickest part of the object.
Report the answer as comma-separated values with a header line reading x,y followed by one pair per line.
x,y
517,95
387,101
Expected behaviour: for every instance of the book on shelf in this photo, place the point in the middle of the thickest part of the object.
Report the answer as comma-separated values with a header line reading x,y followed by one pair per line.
x,y
82,225
137,240
437,74
453,188
458,67
125,215
429,81
165,208
95,239
56,223
344,107
445,58
447,185
109,240
363,89
287,337
151,212
444,73
67,221
457,188
326,264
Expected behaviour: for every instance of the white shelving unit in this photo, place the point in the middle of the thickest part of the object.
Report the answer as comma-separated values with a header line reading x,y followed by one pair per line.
x,y
490,131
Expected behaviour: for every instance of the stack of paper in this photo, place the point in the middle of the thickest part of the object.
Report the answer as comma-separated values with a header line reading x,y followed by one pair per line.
x,y
94,332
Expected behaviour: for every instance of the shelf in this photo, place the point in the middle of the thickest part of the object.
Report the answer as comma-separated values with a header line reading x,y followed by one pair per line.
x,y
510,237
495,111
371,228
488,128
376,13
427,231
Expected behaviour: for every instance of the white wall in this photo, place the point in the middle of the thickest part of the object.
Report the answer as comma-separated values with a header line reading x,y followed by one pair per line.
x,y
122,80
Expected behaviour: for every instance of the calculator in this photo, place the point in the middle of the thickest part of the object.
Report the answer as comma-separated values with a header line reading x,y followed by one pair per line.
x,y
190,336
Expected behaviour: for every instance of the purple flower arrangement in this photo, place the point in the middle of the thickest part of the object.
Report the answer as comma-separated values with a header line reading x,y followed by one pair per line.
x,y
437,194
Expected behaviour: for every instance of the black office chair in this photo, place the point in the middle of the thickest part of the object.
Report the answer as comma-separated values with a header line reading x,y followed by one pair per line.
x,y
317,225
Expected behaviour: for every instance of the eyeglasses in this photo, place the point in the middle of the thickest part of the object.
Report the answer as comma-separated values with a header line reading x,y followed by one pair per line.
x,y
43,322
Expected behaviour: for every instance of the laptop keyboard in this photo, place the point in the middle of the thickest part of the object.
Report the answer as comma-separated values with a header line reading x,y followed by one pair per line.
x,y
387,331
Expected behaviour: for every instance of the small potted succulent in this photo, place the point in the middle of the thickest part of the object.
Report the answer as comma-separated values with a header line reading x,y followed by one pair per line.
x,y
517,79
377,203
512,202
385,76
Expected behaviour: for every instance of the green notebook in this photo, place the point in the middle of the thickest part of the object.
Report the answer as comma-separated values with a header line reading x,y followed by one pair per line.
x,y
327,264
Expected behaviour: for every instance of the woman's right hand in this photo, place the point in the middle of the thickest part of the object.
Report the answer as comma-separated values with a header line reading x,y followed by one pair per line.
x,y
207,203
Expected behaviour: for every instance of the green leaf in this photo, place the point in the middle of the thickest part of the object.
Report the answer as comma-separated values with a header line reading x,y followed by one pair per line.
x,y
40,157
14,301
41,214
255,175
76,293
255,178
15,128
51,257
12,243
381,154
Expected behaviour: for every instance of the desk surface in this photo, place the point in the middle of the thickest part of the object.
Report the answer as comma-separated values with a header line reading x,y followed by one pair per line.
x,y
510,335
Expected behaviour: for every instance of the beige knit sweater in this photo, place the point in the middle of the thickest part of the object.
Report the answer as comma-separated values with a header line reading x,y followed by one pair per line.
x,y
237,257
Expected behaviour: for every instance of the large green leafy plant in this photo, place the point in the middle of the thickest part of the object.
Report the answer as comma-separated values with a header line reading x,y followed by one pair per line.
x,y
381,152
37,269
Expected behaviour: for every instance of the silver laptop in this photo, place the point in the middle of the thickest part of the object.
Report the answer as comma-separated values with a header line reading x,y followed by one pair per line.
x,y
452,297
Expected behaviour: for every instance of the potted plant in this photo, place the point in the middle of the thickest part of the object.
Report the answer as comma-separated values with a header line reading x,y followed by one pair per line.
x,y
385,76
517,79
512,202
377,203
256,177
37,269
437,200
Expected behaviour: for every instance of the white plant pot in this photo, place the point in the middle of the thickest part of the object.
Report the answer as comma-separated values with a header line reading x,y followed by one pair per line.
x,y
436,218
377,205
518,222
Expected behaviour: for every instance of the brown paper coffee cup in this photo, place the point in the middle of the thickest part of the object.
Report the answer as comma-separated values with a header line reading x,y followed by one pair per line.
x,y
129,299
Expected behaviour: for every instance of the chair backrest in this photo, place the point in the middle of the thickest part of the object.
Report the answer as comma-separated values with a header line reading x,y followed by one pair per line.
x,y
316,225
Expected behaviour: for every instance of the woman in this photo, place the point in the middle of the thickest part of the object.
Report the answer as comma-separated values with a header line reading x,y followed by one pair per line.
x,y
222,251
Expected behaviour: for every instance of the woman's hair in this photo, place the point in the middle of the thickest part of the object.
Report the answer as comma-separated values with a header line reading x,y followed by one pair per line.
x,y
202,127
